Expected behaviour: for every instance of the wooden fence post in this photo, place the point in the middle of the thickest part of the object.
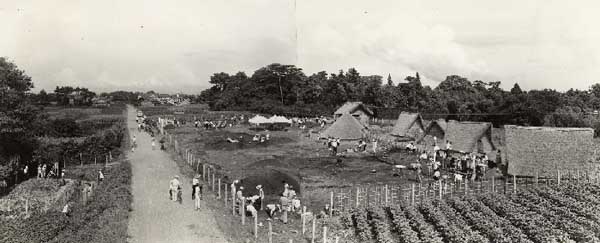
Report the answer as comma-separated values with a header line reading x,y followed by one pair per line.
x,y
314,228
213,181
324,234
303,220
514,184
81,159
225,192
558,176
441,190
95,162
412,194
331,204
578,176
243,210
26,206
386,195
466,187
270,234
357,195
256,226
204,172
493,185
219,189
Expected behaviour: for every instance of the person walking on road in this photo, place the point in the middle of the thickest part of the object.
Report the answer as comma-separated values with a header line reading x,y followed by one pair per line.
x,y
173,188
197,199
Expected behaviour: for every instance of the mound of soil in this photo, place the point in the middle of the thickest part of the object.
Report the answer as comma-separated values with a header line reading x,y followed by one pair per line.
x,y
218,141
271,180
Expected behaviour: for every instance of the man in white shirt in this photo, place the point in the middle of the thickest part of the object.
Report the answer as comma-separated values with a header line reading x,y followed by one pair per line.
x,y
173,187
195,183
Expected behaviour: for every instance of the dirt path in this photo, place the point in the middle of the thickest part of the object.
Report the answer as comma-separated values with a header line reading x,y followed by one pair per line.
x,y
154,217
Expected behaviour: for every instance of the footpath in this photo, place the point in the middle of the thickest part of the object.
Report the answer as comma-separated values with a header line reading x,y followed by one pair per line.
x,y
155,218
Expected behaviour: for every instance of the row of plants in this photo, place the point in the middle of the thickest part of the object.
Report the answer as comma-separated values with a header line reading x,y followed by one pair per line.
x,y
401,226
426,231
582,209
378,220
456,219
579,229
486,221
103,219
534,225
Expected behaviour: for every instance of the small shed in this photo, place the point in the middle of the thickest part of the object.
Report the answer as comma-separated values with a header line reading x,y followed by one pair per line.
x,y
545,150
357,109
470,137
409,126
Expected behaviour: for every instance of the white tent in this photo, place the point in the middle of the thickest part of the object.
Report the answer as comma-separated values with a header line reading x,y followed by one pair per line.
x,y
258,119
279,119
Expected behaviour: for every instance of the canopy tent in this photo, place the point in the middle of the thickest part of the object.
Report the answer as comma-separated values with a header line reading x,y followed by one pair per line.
x,y
279,119
258,119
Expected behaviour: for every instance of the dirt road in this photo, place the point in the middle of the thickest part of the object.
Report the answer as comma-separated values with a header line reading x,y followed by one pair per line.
x,y
154,217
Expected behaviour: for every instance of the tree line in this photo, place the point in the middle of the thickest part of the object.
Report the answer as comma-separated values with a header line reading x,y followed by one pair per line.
x,y
286,89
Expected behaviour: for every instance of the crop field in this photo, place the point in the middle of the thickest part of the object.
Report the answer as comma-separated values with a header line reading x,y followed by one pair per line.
x,y
567,213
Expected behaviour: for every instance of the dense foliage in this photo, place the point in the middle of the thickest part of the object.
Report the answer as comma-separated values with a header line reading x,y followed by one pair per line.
x,y
285,89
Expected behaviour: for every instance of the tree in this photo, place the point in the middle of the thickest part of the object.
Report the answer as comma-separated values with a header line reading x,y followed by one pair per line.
x,y
389,80
17,115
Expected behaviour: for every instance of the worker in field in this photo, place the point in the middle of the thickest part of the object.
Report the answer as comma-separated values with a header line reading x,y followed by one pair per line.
x,y
374,145
100,176
39,171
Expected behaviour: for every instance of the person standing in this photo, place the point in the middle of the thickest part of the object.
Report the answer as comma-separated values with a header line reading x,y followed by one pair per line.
x,y
261,196
39,171
100,176
195,183
153,143
374,145
173,188
197,199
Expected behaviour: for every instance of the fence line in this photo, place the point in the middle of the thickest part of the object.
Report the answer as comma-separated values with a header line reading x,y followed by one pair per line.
x,y
365,196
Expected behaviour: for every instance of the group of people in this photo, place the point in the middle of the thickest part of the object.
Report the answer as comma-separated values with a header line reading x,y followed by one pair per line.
x,y
46,171
261,138
176,191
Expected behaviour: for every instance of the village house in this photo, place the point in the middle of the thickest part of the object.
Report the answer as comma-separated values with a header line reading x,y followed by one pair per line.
x,y
469,137
345,128
435,133
100,102
357,109
409,127
543,151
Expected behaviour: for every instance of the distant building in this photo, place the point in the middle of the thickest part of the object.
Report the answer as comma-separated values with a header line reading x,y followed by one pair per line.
x,y
100,102
357,109
542,151
409,126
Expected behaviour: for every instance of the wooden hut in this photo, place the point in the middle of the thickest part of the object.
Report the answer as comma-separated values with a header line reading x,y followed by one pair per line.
x,y
436,130
357,109
409,126
346,128
469,137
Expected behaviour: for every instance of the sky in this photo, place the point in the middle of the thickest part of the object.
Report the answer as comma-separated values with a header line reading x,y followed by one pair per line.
x,y
175,46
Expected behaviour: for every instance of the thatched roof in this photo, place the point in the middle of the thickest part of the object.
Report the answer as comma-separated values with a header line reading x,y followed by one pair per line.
x,y
345,127
547,149
405,122
351,107
465,135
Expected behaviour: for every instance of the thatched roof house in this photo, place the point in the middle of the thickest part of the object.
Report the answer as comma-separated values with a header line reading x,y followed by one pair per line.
x,y
547,149
357,109
435,129
409,126
470,137
346,127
